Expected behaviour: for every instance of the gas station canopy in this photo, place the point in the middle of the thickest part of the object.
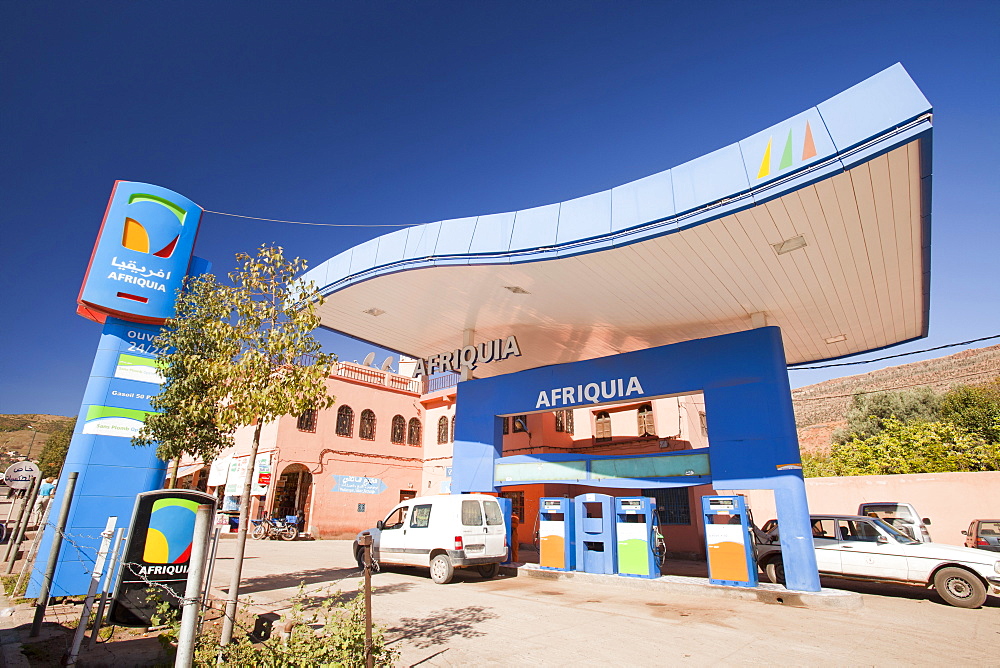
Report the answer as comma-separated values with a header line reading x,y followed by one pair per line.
x,y
819,225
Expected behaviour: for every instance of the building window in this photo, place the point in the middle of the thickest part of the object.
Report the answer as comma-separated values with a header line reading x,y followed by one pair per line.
x,y
345,421
413,435
602,427
704,422
452,427
366,430
506,426
516,503
307,421
520,423
672,506
646,427
442,430
564,421
398,430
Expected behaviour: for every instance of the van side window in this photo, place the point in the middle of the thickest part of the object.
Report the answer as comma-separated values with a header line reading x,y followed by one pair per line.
x,y
472,514
420,518
395,520
494,516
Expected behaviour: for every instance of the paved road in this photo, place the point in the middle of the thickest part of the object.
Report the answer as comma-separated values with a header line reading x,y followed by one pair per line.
x,y
529,621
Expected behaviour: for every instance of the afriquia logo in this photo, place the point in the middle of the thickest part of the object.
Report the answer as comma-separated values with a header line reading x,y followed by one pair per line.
x,y
802,146
156,237
170,532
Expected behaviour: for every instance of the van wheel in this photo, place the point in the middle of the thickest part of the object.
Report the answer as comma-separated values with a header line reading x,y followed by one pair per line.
x,y
442,569
489,571
960,588
775,570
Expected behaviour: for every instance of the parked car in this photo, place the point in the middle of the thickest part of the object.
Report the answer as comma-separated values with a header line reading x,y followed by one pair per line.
x,y
442,532
901,516
859,547
983,534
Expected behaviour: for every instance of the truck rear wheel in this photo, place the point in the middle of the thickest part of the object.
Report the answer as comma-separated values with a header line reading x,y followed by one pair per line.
x,y
775,570
960,588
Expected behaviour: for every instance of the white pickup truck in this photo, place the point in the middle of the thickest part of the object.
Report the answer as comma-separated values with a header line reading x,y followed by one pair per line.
x,y
860,547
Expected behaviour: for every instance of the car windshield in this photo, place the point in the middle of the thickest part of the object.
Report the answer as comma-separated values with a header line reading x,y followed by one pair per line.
x,y
895,533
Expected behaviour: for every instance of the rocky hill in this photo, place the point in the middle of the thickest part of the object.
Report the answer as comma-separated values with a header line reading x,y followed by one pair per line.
x,y
17,436
820,408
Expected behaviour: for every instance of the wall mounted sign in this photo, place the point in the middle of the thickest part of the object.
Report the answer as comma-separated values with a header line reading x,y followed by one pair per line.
x,y
158,549
468,357
358,484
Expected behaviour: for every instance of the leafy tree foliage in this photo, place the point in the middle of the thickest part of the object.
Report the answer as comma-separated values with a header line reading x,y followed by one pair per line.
x,y
187,417
976,409
239,355
868,413
53,454
907,447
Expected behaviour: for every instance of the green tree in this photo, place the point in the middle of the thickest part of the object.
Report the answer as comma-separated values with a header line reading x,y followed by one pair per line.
x,y
187,419
867,414
245,356
911,447
53,453
976,409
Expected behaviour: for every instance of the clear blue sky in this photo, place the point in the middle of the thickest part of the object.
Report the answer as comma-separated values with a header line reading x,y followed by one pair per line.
x,y
409,112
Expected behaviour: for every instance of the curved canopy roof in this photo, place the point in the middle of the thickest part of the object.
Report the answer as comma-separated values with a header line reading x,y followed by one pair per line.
x,y
818,224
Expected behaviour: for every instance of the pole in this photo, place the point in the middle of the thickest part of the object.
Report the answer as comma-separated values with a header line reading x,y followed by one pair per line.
x,y
366,541
50,569
95,581
22,525
211,567
192,593
34,432
99,617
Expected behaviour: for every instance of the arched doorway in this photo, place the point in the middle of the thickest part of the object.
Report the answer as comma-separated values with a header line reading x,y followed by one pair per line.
x,y
292,494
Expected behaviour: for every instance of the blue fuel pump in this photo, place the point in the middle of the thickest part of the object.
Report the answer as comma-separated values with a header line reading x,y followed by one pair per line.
x,y
557,542
595,533
727,535
635,522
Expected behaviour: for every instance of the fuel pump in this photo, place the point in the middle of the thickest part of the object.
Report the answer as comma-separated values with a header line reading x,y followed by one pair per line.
x,y
635,524
595,533
727,534
556,545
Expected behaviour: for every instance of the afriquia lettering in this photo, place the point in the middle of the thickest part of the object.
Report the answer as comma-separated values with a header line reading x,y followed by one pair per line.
x,y
469,357
606,390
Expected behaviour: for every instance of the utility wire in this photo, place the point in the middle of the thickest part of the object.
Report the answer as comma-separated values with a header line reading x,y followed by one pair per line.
x,y
299,222
889,357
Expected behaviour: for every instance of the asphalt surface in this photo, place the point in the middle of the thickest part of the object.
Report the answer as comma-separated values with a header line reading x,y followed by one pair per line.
x,y
538,621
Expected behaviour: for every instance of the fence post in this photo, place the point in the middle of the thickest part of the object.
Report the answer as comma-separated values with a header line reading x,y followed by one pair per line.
x,y
95,581
99,617
23,519
192,592
365,540
50,569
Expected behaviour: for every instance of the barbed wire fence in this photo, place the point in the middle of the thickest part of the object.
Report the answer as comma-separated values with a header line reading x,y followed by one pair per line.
x,y
85,549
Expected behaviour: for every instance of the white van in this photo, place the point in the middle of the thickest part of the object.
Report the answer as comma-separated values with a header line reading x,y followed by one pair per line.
x,y
443,532
900,516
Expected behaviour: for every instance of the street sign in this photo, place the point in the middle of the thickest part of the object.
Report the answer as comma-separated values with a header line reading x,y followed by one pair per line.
x,y
21,474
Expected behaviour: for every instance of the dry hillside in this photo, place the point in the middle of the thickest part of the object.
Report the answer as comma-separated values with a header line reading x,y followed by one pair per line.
x,y
820,408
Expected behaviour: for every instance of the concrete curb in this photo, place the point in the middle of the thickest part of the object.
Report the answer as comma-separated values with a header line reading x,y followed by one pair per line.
x,y
825,599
